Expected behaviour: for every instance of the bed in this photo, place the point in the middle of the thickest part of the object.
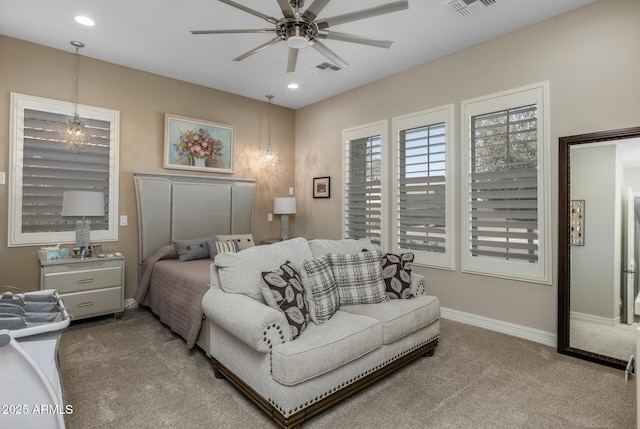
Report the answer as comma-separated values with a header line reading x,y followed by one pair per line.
x,y
173,207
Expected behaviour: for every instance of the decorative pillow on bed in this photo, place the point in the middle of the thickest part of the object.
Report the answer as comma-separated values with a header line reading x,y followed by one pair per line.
x,y
358,277
244,240
283,291
195,248
216,247
396,272
320,289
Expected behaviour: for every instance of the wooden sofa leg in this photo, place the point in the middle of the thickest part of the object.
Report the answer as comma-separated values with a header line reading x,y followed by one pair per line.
x,y
216,371
430,352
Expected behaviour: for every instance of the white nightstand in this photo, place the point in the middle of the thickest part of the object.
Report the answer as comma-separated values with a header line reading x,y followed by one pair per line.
x,y
89,287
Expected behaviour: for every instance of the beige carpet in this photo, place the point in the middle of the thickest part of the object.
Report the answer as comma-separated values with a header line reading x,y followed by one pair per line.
x,y
134,373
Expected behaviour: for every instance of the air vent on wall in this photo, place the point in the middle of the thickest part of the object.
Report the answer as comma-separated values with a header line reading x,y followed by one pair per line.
x,y
326,68
464,8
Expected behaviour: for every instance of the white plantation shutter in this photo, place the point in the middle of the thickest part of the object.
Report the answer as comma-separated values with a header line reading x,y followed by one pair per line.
x,y
42,169
421,189
50,169
363,202
423,197
504,184
506,194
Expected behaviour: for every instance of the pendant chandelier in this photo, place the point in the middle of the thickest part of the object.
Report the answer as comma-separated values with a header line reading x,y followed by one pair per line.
x,y
269,158
75,135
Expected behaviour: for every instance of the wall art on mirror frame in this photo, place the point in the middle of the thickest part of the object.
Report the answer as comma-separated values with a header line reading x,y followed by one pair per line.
x,y
195,144
321,187
576,214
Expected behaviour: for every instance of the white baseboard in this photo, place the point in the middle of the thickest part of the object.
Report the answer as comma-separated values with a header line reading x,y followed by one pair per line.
x,y
130,303
594,319
531,334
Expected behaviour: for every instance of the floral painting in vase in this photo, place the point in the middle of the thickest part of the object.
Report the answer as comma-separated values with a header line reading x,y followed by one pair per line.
x,y
194,144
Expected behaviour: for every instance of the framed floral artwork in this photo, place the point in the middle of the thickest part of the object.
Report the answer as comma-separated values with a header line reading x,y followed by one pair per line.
x,y
195,144
321,187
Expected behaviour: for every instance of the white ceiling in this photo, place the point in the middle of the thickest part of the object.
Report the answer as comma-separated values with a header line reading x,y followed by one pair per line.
x,y
155,36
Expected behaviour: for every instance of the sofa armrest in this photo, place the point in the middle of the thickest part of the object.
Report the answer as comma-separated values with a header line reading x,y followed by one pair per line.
x,y
255,324
418,284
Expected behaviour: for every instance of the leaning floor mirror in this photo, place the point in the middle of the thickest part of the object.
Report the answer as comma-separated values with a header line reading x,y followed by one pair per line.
x,y
599,245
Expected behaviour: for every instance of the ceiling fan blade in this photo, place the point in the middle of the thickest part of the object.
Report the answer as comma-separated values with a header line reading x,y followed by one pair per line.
x,y
354,38
270,19
286,9
362,14
332,56
316,7
292,60
258,49
257,30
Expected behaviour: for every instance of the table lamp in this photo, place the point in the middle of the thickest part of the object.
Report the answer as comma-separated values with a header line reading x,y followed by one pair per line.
x,y
284,206
83,203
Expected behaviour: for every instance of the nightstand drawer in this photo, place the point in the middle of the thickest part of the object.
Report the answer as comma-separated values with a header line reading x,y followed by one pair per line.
x,y
83,280
93,303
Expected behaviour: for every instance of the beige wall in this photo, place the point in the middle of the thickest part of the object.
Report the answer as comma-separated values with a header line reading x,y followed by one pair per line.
x,y
592,60
142,100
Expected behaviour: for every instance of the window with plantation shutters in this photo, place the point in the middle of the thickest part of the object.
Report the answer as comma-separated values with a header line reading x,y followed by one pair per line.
x,y
43,168
506,219
423,206
504,183
363,195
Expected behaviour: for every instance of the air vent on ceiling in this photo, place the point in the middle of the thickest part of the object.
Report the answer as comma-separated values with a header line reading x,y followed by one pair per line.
x,y
464,8
326,68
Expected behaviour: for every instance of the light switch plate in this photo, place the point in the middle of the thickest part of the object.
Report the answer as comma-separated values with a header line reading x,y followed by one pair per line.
x,y
124,221
2,177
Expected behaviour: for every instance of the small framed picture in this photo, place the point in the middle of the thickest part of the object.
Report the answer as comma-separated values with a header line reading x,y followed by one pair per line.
x,y
321,187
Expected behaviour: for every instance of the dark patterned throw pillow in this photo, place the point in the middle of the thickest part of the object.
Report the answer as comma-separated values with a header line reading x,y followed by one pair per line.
x,y
284,292
396,273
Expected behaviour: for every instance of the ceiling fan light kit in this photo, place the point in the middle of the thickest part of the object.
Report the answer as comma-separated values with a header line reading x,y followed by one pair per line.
x,y
300,29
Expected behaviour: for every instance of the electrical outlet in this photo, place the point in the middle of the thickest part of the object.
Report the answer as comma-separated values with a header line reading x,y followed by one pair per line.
x,y
290,191
270,217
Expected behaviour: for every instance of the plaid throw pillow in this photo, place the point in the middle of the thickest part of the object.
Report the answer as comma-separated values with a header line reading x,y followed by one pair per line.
x,y
358,277
283,291
396,272
320,289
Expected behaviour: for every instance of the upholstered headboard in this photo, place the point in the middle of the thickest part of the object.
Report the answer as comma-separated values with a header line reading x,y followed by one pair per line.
x,y
172,207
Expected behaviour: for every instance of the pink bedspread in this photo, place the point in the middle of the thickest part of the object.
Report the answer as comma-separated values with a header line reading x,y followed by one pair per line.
x,y
173,290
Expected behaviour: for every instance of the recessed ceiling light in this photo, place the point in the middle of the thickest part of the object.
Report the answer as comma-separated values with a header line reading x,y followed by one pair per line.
x,y
85,21
292,86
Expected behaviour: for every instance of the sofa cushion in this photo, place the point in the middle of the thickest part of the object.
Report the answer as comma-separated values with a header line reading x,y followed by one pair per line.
x,y
242,272
282,290
320,289
321,247
399,317
396,273
244,240
195,248
358,277
321,349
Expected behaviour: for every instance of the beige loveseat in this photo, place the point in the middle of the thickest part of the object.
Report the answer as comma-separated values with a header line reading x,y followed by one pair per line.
x,y
292,380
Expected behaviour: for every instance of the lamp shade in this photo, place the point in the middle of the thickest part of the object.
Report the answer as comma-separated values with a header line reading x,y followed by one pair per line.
x,y
284,205
82,203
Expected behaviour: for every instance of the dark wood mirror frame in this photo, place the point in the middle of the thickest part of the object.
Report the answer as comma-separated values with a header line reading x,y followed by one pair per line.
x,y
564,255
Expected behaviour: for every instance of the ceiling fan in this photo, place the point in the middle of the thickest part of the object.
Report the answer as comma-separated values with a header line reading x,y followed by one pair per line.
x,y
300,29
